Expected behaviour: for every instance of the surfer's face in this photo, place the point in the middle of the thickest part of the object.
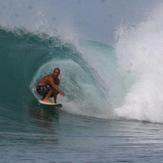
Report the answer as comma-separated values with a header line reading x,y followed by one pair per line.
x,y
56,73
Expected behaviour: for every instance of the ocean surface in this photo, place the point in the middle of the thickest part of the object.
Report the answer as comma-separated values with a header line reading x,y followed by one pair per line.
x,y
61,137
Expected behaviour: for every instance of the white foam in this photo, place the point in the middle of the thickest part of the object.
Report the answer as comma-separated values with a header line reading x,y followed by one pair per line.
x,y
140,52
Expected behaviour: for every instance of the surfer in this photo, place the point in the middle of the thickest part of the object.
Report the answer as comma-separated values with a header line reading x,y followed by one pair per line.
x,y
48,86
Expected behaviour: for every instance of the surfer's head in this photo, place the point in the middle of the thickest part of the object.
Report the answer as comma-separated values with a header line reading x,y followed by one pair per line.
x,y
56,72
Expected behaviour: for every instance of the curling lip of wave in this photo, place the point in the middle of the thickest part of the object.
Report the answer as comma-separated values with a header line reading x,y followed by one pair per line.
x,y
25,55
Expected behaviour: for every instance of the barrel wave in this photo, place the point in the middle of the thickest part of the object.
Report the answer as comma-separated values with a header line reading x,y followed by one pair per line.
x,y
86,72
97,79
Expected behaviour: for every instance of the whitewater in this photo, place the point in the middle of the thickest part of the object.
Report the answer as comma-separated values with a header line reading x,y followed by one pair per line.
x,y
139,51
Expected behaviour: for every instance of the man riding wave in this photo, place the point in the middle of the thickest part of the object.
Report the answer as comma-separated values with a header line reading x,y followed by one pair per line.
x,y
48,86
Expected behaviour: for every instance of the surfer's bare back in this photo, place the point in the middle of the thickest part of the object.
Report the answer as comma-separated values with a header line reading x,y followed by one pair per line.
x,y
48,86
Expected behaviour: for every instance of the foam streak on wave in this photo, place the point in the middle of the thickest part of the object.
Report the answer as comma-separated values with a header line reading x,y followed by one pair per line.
x,y
140,52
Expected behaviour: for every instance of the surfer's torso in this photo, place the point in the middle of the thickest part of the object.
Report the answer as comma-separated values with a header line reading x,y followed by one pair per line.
x,y
46,80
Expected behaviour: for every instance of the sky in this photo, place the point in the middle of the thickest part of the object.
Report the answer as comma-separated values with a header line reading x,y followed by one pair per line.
x,y
89,19
99,19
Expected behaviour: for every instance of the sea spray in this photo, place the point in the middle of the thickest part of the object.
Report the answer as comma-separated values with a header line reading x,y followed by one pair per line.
x,y
140,53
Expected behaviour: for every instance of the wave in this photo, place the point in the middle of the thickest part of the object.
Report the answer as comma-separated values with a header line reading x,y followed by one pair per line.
x,y
139,51
98,80
88,72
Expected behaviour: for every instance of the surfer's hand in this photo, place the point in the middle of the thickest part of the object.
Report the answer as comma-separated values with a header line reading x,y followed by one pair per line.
x,y
61,93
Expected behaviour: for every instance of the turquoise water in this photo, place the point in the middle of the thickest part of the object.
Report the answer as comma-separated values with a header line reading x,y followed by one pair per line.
x,y
86,129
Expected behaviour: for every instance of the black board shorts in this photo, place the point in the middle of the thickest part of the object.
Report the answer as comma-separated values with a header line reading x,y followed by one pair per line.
x,y
42,90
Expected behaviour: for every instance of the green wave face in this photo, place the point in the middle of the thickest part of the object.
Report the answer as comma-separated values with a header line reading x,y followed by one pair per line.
x,y
86,76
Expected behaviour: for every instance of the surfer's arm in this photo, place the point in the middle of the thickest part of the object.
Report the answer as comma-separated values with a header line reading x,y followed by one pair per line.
x,y
56,87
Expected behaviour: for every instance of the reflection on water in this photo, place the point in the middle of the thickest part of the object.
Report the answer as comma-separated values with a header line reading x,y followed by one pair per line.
x,y
44,116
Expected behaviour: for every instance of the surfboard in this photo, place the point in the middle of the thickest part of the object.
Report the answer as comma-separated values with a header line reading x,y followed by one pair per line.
x,y
56,105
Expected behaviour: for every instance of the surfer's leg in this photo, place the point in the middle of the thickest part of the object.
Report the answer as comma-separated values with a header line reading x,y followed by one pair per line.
x,y
55,96
55,99
48,92
47,95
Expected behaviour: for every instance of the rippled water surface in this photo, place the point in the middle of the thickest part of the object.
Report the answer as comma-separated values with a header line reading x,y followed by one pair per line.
x,y
60,137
